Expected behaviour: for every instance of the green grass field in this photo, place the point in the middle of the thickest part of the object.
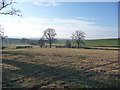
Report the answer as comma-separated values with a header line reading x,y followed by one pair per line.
x,y
102,42
99,42
59,68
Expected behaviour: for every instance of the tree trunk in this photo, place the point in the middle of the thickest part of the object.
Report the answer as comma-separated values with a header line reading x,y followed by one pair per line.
x,y
78,44
50,44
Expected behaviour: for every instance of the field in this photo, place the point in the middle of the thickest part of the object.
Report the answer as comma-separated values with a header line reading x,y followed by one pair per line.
x,y
97,42
60,68
102,42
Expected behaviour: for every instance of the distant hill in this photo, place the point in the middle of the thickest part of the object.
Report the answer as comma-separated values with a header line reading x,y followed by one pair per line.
x,y
19,41
96,42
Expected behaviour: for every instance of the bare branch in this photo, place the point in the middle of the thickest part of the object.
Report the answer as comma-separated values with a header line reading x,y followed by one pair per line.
x,y
49,34
2,33
78,36
10,11
4,5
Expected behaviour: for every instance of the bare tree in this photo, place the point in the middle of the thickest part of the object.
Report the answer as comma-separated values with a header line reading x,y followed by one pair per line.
x,y
68,44
24,40
7,10
78,36
49,34
41,42
2,36
1,31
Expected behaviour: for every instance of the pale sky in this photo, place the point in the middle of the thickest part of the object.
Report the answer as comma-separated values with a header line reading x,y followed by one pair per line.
x,y
96,19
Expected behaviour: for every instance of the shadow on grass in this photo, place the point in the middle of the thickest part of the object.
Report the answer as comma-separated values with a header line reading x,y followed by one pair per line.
x,y
50,74
40,54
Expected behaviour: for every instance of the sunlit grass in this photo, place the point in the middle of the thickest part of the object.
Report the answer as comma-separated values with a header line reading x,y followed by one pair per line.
x,y
10,67
60,67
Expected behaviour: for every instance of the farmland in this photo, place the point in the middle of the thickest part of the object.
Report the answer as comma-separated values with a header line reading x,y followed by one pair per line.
x,y
51,44
59,68
96,42
102,42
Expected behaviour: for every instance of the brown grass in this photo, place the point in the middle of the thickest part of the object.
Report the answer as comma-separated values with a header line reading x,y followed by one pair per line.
x,y
60,68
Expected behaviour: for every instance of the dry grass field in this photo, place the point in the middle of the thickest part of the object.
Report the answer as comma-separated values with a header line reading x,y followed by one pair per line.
x,y
60,68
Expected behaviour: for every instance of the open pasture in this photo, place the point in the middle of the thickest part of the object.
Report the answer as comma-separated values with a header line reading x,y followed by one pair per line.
x,y
60,68
92,43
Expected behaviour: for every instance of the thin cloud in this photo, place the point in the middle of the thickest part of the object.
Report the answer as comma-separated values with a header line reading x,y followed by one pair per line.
x,y
85,18
47,4
34,27
68,0
58,21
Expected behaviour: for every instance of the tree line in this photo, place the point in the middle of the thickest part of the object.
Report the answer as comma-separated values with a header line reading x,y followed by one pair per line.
x,y
49,37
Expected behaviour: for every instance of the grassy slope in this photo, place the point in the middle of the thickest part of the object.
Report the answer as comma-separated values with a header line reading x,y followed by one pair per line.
x,y
61,68
102,42
98,42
